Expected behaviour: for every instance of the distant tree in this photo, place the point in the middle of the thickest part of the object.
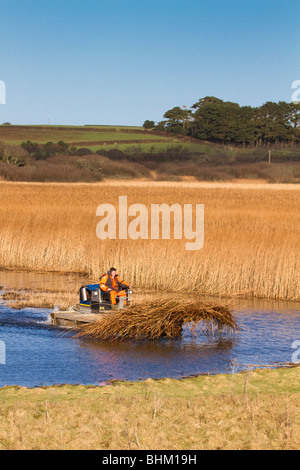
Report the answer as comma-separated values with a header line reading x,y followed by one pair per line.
x,y
208,100
293,118
30,147
149,124
49,150
177,120
243,126
161,126
215,120
272,123
41,151
63,147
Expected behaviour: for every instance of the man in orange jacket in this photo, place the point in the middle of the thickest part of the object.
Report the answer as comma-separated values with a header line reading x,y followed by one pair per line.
x,y
113,285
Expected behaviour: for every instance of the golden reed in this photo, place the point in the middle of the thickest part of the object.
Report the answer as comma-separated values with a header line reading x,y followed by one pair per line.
x,y
251,247
161,317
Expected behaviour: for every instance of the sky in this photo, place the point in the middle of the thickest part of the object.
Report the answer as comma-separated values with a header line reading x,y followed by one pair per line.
x,y
120,62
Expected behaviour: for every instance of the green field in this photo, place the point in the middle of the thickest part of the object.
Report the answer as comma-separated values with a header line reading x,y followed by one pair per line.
x,y
15,135
125,138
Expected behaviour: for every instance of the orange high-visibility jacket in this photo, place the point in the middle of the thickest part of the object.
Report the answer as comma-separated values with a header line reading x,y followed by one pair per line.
x,y
108,282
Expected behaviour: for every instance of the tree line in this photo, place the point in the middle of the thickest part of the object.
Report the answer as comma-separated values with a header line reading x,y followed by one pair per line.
x,y
219,121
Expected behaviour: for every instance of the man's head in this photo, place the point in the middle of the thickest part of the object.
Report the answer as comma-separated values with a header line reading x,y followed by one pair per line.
x,y
113,272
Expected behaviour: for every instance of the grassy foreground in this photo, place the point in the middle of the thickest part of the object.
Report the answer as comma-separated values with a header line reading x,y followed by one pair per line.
x,y
259,409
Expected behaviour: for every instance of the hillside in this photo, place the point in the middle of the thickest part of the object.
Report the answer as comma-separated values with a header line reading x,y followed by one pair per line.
x,y
95,153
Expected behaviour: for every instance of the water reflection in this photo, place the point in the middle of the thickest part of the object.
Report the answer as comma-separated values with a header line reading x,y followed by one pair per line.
x,y
158,358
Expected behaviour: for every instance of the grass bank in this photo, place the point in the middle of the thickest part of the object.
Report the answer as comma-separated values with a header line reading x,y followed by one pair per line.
x,y
258,409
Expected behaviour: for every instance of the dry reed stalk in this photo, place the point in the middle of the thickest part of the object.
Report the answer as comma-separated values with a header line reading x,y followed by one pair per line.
x,y
160,317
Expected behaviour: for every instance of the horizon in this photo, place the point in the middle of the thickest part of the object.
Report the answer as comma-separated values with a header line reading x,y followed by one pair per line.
x,y
110,125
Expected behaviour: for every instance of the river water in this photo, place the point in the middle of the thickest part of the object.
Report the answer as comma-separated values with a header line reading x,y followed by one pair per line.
x,y
37,353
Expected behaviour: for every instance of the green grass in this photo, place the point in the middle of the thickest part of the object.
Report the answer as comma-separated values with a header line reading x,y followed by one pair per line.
x,y
154,147
15,135
258,409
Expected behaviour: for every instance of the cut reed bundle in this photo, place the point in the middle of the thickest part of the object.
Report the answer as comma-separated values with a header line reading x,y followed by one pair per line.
x,y
160,317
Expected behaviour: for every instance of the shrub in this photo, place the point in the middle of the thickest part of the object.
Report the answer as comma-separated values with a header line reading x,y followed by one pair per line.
x,y
12,155
149,124
83,151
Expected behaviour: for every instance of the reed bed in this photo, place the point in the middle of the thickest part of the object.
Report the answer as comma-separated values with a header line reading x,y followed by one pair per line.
x,y
251,247
161,317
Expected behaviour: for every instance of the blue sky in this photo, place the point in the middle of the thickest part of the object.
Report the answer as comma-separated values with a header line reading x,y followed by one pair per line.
x,y
125,61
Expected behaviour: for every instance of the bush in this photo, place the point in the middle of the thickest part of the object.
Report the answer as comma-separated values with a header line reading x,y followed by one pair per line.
x,y
48,150
93,166
83,151
12,155
114,154
149,124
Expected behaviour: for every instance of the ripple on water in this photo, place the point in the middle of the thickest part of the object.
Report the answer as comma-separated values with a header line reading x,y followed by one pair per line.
x,y
39,354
